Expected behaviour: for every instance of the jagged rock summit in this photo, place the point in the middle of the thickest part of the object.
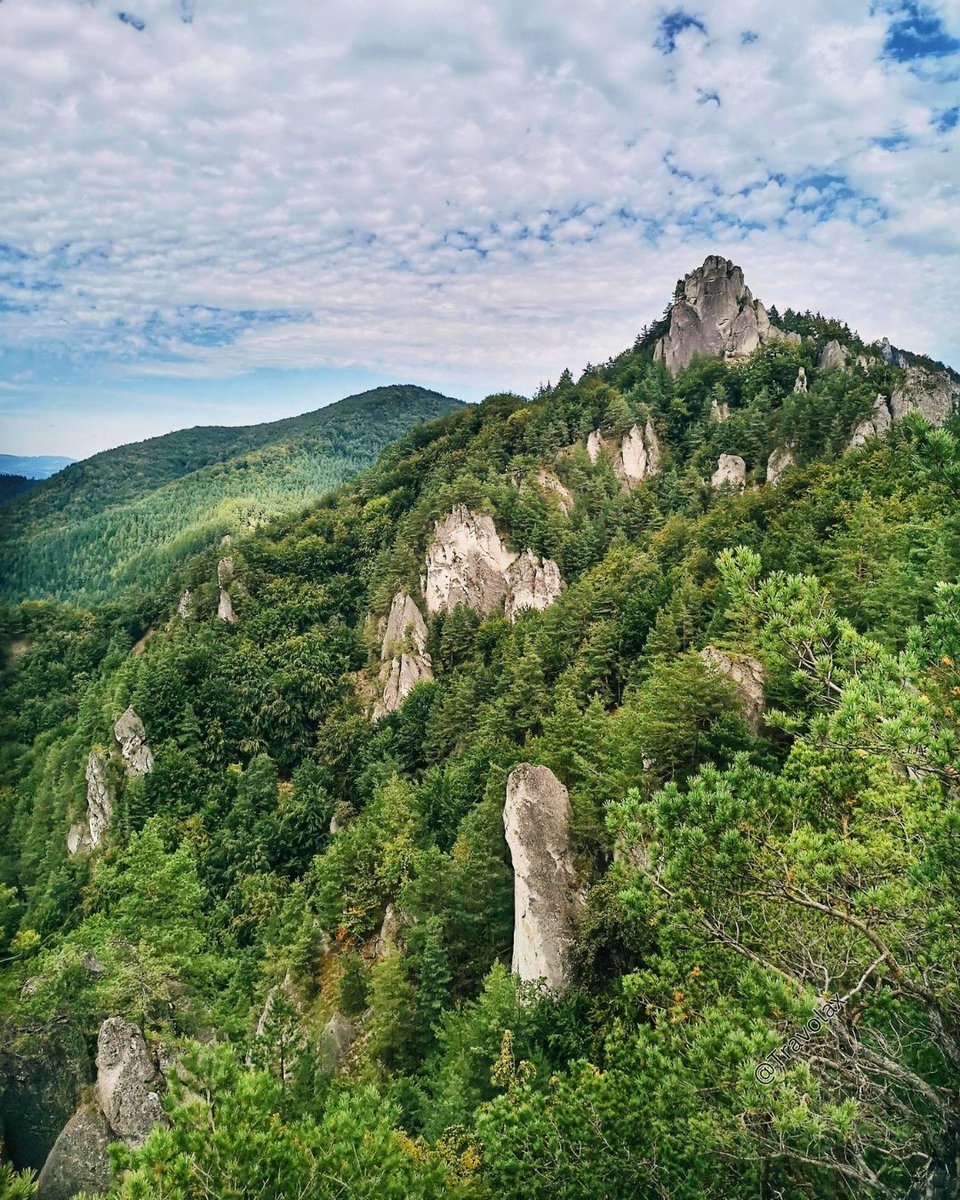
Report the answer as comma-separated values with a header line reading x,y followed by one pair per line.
x,y
714,312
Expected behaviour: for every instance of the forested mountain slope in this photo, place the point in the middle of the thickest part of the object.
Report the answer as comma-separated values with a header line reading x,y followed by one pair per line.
x,y
646,688
124,517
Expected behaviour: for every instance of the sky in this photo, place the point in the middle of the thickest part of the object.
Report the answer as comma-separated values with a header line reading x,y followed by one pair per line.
x,y
215,211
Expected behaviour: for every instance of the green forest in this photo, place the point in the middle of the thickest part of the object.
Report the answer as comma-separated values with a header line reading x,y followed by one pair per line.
x,y
310,913
124,518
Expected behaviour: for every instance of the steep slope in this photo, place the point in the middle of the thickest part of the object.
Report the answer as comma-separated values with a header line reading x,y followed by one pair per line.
x,y
578,786
123,517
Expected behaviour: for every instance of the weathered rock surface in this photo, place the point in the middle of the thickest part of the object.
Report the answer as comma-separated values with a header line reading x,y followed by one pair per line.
x,y
719,411
833,357
731,472
891,355
87,834
747,676
532,582
390,937
876,425
78,1160
536,819
468,563
224,578
780,460
225,607
933,394
183,608
713,312
554,487
127,1082
404,661
338,1036
132,739
594,445
639,455
801,382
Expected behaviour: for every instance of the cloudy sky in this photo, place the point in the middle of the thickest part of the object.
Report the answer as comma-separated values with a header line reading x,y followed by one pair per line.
x,y
228,211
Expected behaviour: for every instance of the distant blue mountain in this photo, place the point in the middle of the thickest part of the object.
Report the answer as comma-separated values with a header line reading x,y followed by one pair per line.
x,y
39,466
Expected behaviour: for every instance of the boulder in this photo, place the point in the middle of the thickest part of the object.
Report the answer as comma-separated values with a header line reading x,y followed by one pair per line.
x,y
127,1082
833,357
747,676
536,819
132,739
731,472
404,661
713,312
338,1036
639,455
780,460
468,563
801,382
532,582
78,1161
594,445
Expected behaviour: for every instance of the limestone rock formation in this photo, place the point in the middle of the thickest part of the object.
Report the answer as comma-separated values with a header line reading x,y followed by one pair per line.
x,y
801,383
731,472
127,1078
747,676
594,445
536,819
933,394
532,582
132,739
87,834
338,1036
183,608
713,312
468,563
639,455
224,578
833,357
554,487
719,411
78,1160
891,355
779,461
390,937
404,661
876,425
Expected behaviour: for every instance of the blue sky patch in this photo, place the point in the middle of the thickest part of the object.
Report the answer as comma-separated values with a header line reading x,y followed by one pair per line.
x,y
946,120
672,24
918,32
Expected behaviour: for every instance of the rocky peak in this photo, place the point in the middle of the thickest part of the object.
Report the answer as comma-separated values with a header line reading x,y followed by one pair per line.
x,y
132,740
536,820
714,312
833,357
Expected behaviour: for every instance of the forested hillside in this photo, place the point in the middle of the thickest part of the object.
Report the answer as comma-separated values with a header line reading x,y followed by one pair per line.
x,y
125,517
715,605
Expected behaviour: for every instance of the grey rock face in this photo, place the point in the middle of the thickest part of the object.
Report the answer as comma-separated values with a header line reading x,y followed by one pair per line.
x,y
87,834
404,661
639,455
390,937
780,460
224,578
933,394
554,487
225,607
891,355
78,1161
468,563
536,819
833,357
731,472
594,445
132,739
127,1079
747,675
876,425
713,313
801,383
338,1036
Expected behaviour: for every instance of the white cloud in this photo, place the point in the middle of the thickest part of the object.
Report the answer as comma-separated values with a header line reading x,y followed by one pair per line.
x,y
487,191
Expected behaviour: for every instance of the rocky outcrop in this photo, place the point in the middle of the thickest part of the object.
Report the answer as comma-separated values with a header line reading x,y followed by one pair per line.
x,y
468,563
553,487
127,1082
876,425
594,445
183,608
714,313
891,355
933,394
536,819
532,582
78,1161
639,455
800,385
338,1036
224,579
390,937
833,357
404,661
747,676
719,410
87,834
731,472
780,460
132,740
